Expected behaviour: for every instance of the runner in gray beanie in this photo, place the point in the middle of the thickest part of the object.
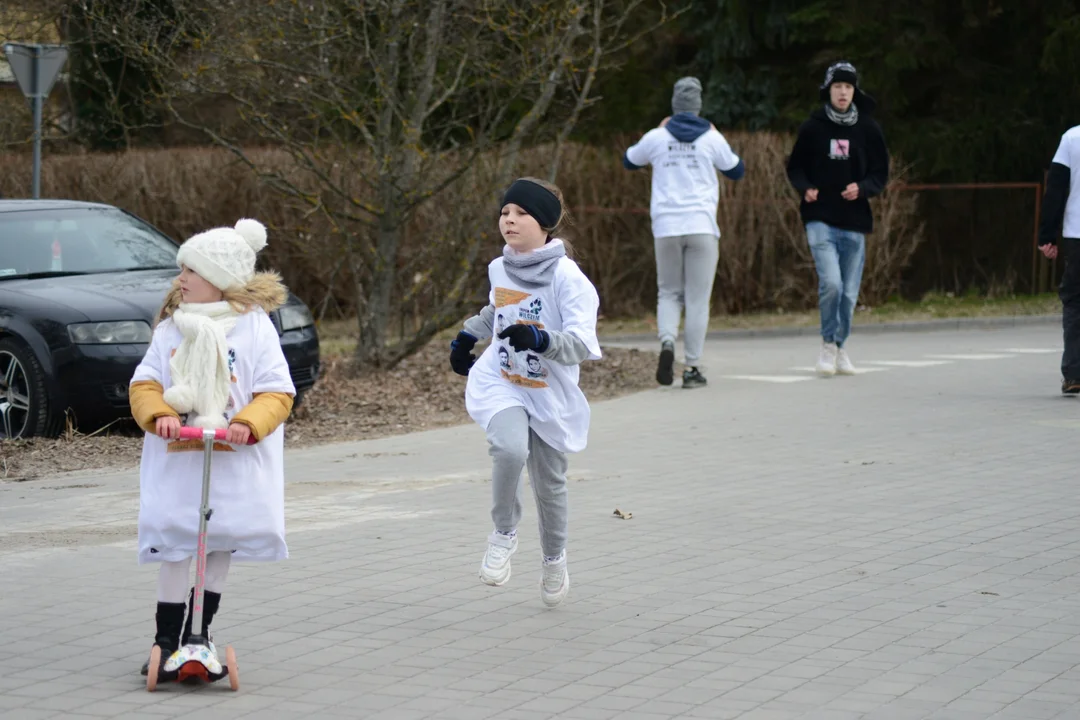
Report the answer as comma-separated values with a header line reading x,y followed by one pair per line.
x,y
685,153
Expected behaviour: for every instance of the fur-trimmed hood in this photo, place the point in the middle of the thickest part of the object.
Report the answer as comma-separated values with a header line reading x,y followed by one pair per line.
x,y
266,291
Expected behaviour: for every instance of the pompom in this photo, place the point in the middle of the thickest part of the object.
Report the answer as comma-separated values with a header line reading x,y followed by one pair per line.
x,y
180,398
211,422
253,231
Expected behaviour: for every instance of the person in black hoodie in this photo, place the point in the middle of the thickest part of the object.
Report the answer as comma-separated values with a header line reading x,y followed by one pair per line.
x,y
685,153
1061,213
838,163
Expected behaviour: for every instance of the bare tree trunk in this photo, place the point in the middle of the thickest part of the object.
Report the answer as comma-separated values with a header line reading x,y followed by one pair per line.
x,y
373,337
582,100
530,120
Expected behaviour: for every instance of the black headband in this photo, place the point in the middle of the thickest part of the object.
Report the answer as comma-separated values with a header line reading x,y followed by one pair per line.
x,y
536,200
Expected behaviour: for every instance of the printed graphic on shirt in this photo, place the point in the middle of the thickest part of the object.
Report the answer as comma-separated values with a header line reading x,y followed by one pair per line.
x,y
535,369
839,149
506,296
535,372
524,381
531,314
232,364
680,153
196,446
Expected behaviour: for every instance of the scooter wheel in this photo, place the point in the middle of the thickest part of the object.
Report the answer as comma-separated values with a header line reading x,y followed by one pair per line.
x,y
153,669
234,672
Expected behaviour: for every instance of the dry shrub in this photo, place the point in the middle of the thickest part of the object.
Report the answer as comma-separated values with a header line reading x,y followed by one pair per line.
x,y
765,262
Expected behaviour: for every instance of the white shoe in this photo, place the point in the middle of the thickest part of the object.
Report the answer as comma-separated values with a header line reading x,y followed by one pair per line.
x,y
556,582
495,569
844,365
826,364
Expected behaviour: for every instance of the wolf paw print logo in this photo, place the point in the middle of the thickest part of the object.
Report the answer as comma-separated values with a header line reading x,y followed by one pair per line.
x,y
532,313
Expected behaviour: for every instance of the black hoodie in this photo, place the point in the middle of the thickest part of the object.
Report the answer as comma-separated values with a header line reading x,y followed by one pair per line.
x,y
829,156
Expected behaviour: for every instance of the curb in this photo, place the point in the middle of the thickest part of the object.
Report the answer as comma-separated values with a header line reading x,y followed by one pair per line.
x,y
963,323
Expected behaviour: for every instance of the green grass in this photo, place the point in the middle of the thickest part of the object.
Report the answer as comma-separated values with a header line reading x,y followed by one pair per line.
x,y
338,336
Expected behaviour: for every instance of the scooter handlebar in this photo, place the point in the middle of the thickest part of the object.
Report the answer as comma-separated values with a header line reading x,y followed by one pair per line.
x,y
194,433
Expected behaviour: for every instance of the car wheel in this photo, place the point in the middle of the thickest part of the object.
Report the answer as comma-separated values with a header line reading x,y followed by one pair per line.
x,y
24,400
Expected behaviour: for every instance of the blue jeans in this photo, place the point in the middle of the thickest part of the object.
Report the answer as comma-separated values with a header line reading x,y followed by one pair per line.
x,y
839,256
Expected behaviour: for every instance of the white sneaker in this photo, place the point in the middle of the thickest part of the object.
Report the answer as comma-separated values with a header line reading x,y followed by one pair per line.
x,y
495,570
844,365
556,581
826,364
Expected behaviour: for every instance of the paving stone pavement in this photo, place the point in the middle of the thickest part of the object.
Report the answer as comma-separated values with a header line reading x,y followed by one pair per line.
x,y
899,544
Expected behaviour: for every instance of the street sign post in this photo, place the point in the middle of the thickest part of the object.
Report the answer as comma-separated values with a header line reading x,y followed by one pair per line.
x,y
35,68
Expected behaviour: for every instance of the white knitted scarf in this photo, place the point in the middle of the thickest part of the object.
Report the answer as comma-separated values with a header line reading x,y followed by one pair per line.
x,y
200,366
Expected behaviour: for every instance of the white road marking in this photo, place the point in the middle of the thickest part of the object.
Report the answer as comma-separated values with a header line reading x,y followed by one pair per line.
x,y
858,370
770,378
1067,424
908,363
1033,351
972,356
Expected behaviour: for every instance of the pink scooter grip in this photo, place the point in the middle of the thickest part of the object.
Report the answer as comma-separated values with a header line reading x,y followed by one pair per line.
x,y
194,433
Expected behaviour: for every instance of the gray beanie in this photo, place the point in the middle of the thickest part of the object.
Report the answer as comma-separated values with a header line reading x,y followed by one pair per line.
x,y
687,96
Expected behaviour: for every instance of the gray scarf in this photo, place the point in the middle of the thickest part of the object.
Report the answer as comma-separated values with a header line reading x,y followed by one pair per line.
x,y
535,269
850,117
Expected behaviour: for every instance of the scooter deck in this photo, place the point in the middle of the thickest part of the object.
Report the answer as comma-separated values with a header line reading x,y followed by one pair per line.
x,y
196,664
192,672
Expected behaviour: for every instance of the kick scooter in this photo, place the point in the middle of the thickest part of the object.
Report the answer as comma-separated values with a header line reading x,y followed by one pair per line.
x,y
197,659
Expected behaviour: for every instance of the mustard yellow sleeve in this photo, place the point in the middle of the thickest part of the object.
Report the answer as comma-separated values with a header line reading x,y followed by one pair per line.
x,y
265,413
148,404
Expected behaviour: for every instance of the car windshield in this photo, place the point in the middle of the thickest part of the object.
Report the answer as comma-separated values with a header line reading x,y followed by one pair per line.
x,y
79,240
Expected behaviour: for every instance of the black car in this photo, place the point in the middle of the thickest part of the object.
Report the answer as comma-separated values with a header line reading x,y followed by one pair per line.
x,y
80,284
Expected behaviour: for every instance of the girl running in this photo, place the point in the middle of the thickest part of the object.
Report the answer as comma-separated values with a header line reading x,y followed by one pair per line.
x,y
524,390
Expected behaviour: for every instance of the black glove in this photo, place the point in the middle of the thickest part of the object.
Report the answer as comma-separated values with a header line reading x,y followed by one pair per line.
x,y
526,337
461,357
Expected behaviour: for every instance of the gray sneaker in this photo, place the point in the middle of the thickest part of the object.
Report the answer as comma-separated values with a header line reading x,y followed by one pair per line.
x,y
692,378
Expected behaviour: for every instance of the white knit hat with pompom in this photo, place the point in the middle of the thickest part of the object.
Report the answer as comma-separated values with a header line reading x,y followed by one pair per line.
x,y
225,257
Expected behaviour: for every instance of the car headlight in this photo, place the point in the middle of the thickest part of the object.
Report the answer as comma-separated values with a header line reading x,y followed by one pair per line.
x,y
110,333
294,317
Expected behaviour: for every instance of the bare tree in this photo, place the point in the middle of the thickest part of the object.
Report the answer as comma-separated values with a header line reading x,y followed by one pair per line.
x,y
383,105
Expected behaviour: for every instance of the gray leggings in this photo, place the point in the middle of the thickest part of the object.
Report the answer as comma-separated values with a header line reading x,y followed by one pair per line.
x,y
685,269
513,445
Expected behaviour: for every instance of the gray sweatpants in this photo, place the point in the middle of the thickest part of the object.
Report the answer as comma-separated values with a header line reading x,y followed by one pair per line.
x,y
513,444
685,269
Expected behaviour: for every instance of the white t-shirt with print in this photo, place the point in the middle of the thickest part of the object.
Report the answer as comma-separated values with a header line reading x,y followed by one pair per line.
x,y
1068,154
685,189
247,484
502,378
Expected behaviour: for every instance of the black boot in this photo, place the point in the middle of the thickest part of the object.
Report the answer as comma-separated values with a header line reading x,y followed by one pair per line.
x,y
212,601
170,621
